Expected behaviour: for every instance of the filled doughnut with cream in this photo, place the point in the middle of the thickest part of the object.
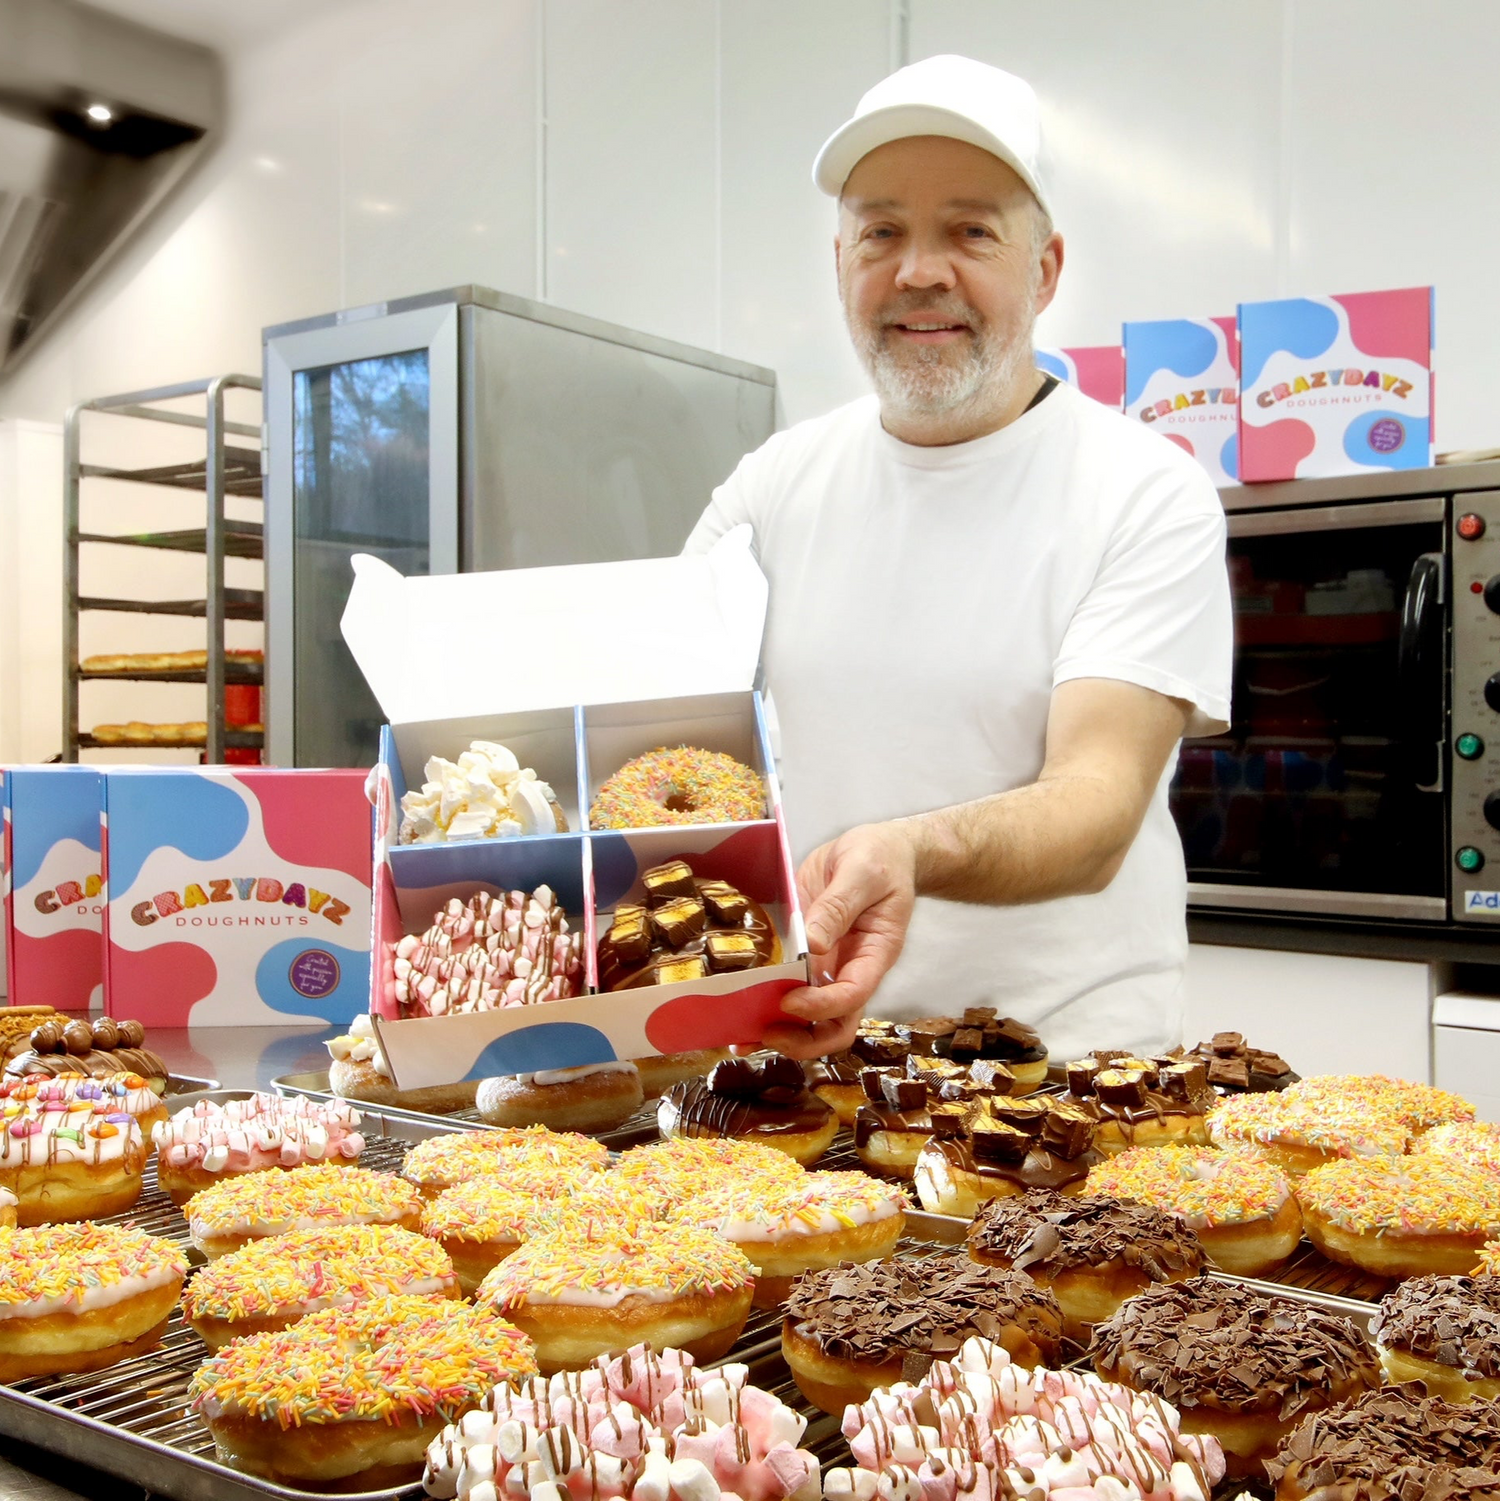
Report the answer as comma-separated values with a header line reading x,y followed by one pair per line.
x,y
358,1070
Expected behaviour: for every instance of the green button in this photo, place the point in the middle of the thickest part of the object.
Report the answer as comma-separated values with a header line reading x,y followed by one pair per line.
x,y
1470,859
1470,747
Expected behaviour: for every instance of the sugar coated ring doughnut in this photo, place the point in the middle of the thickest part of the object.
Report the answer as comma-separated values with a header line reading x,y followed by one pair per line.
x,y
579,1296
679,786
253,1206
270,1284
1240,1206
78,1297
1299,1135
441,1161
1444,1331
354,1392
676,1170
1408,1217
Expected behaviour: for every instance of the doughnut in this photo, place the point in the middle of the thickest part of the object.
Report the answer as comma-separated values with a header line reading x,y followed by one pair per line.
x,y
1140,1103
1474,1142
485,794
103,1046
835,1079
441,1161
488,953
766,1102
8,1204
592,1097
1443,1332
1392,1442
1409,1217
17,1024
357,1070
982,1426
270,1284
1000,1148
980,1033
1240,1206
1298,1135
255,1206
578,1296
107,1094
674,1171
639,1424
1238,1069
850,1329
78,1297
789,1226
76,1163
660,1071
1093,1253
679,786
1416,1106
349,1398
209,1142
685,929
893,1125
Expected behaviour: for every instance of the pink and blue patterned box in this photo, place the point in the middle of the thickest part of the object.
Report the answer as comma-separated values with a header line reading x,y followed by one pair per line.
x,y
1182,381
1098,370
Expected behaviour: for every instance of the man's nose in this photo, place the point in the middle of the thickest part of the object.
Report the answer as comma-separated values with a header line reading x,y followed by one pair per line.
x,y
926,263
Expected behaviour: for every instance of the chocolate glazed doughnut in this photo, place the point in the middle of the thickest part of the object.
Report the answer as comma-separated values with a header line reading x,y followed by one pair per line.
x,y
106,1047
768,1102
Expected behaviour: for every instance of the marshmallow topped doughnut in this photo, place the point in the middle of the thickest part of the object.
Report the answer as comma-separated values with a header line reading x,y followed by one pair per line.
x,y
509,1155
270,1284
485,794
1234,1363
70,1160
1240,1206
229,1215
679,786
209,1142
648,1426
590,1097
850,1329
578,1296
982,1426
1298,1135
358,1070
78,1297
1443,1332
349,1398
787,1227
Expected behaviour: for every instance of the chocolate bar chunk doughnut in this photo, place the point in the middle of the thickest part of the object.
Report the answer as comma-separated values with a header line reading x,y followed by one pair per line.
x,y
1237,1068
1141,1102
768,1103
981,1033
59,1046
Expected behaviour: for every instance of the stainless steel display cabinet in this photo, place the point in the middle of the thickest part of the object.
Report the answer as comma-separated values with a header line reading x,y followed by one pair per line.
x,y
466,430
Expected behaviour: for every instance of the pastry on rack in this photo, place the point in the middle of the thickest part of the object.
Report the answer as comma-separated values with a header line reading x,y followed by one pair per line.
x,y
357,1070
1142,1102
103,1046
981,1033
766,1102
70,1164
1443,1332
589,1097
517,1151
836,1078
1237,1068
485,794
69,1093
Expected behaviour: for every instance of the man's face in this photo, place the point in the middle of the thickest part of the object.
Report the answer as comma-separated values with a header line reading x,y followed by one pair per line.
x,y
941,273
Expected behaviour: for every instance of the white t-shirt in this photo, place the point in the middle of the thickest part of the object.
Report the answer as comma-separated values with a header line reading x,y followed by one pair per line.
x,y
924,603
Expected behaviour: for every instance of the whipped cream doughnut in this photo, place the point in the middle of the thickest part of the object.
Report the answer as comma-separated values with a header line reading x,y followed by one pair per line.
x,y
649,1426
270,1284
209,1142
981,1426
254,1206
515,1155
350,1398
105,1094
358,1070
578,1296
78,1297
485,794
486,953
75,1160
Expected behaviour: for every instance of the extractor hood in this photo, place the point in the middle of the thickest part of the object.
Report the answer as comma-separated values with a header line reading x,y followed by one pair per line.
x,y
99,119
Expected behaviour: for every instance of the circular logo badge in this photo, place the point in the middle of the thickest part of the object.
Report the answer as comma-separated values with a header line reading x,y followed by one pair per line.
x,y
1387,435
314,973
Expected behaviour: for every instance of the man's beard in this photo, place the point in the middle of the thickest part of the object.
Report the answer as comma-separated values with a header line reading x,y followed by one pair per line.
x,y
930,380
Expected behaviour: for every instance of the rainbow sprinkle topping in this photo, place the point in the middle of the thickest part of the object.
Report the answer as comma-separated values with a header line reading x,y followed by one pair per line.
x,y
1474,1142
770,1206
337,1266
490,1209
67,1261
391,1360
1332,1125
441,1161
1415,1106
677,1170
317,1191
1201,1185
713,787
1415,1196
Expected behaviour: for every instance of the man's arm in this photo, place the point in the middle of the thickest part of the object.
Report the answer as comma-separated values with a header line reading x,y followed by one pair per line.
x,y
1065,834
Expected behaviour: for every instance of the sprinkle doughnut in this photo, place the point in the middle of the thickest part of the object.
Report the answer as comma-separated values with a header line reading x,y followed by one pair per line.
x,y
78,1297
676,1170
270,1284
1412,1217
1444,1331
790,1226
1474,1142
349,1398
229,1215
1299,1135
1418,1107
579,1296
512,1154
679,786
1240,1206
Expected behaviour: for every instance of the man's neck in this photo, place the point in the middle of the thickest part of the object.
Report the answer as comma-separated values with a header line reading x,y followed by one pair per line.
x,y
938,430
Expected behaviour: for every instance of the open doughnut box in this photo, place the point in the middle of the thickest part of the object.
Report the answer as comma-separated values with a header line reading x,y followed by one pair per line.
x,y
577,670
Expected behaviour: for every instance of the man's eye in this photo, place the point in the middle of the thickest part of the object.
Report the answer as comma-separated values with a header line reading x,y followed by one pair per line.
x,y
880,232
977,232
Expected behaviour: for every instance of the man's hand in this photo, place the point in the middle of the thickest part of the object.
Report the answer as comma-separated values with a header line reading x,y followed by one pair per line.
x,y
857,895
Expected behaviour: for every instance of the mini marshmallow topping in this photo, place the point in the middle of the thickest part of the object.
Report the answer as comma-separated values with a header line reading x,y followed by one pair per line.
x,y
485,794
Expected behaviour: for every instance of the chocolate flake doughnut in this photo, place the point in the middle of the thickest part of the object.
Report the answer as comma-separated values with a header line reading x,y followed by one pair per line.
x,y
1444,1332
681,786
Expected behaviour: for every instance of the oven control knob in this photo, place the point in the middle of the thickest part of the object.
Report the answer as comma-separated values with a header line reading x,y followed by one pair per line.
x,y
1492,691
1492,809
1492,593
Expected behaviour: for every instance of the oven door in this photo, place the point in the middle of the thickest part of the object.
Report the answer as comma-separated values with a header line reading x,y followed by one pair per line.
x,y
1326,794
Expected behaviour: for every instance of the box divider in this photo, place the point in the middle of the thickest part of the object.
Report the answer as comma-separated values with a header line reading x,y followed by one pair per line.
x,y
581,765
590,921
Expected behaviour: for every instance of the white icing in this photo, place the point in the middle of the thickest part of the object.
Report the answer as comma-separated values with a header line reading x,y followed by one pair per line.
x,y
53,1141
609,1296
260,1229
547,1076
92,1297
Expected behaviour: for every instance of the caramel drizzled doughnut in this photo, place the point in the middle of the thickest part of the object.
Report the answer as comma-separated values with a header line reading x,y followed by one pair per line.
x,y
767,1102
441,1161
78,1297
1141,1103
1093,1253
1240,1207
349,1398
1235,1363
850,1329
105,1046
1443,1332
681,786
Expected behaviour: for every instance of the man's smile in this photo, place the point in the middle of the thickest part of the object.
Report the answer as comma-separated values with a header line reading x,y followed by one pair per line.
x,y
928,330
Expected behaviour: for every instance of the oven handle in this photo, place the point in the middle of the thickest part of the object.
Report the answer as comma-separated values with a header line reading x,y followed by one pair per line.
x,y
1419,672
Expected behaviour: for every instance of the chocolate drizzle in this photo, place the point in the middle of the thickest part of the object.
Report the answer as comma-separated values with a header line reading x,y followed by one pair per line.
x,y
1127,1091
741,1098
1039,1142
978,1033
881,1311
107,1046
1454,1321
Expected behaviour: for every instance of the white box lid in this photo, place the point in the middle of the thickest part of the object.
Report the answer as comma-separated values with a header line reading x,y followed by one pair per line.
x,y
452,645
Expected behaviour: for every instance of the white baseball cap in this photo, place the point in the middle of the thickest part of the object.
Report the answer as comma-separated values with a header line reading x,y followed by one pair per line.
x,y
941,96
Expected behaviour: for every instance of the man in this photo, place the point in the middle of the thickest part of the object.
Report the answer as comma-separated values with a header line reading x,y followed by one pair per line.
x,y
995,609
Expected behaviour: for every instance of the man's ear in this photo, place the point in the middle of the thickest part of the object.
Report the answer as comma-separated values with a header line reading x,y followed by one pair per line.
x,y
1051,269
838,256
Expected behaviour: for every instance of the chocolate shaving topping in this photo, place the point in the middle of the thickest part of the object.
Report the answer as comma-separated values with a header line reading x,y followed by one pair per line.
x,y
1454,1321
1041,1231
925,1307
1204,1343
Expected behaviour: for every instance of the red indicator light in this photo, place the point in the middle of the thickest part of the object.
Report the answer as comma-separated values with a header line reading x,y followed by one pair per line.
x,y
1476,587
1470,527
